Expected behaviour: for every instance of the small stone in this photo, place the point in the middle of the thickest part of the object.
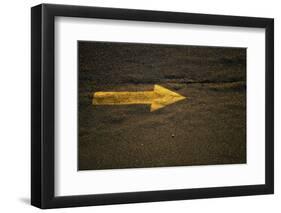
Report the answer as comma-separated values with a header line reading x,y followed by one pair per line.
x,y
173,135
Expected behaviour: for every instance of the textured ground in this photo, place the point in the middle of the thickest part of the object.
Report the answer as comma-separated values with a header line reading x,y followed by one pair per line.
x,y
208,127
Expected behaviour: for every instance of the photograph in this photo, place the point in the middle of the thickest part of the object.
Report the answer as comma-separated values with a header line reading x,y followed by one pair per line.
x,y
143,105
149,105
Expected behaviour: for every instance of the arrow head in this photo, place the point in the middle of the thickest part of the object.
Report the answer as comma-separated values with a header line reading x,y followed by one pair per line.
x,y
163,97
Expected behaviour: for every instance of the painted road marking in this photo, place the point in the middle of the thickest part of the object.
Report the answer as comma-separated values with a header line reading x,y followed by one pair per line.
x,y
158,98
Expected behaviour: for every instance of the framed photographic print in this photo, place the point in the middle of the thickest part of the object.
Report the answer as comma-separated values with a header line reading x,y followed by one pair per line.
x,y
139,106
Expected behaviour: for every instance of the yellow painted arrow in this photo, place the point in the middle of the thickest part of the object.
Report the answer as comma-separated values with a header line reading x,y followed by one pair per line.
x,y
158,98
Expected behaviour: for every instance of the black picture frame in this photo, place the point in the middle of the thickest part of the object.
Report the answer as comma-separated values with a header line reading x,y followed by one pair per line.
x,y
43,117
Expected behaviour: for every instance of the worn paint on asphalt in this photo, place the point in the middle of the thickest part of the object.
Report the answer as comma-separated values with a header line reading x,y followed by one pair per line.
x,y
158,98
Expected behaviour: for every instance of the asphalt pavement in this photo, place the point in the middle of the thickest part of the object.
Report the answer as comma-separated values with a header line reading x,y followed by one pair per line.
x,y
208,127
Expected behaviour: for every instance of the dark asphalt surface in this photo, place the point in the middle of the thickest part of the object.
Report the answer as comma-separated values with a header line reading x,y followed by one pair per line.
x,y
209,127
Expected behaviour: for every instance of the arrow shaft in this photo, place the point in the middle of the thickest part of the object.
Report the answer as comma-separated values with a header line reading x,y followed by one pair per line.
x,y
123,98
